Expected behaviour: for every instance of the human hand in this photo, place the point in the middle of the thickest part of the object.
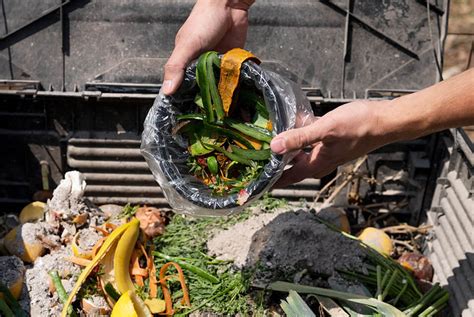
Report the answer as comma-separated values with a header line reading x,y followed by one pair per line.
x,y
341,135
213,24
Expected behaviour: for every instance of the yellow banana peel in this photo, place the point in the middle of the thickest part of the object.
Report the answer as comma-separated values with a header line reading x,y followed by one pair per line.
x,y
114,255
109,242
77,251
124,306
122,256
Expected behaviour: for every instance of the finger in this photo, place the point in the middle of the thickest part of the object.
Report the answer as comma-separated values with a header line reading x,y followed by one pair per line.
x,y
298,138
291,175
316,165
174,69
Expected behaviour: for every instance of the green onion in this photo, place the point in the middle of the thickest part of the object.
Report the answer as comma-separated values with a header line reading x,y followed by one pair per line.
x,y
250,130
257,155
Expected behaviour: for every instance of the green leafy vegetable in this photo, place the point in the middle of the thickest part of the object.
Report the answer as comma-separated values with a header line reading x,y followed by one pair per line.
x,y
224,142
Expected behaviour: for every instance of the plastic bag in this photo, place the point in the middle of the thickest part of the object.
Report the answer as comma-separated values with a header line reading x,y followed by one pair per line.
x,y
167,154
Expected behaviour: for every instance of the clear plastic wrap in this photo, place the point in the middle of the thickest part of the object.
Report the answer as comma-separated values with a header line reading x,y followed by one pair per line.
x,y
167,154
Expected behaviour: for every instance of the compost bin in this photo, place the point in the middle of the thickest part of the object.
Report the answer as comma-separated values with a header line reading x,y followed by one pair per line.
x,y
78,77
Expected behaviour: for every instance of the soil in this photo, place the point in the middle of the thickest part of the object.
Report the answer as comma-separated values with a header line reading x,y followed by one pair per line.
x,y
36,297
27,233
290,246
234,244
88,238
14,270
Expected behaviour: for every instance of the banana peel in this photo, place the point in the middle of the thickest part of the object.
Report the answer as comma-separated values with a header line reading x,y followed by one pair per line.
x,y
124,306
122,256
111,240
114,255
108,275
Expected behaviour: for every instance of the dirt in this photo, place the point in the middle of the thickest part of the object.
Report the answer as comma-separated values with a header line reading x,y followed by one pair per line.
x,y
27,233
67,197
88,238
234,244
287,246
111,210
15,270
36,297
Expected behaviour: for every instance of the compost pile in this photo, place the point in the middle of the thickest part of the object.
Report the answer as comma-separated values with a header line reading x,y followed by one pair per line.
x,y
69,257
101,260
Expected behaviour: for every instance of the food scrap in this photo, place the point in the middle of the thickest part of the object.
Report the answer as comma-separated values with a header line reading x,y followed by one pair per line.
x,y
229,130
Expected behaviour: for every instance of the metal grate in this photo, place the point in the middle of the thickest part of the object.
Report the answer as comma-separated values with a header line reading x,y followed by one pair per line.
x,y
116,173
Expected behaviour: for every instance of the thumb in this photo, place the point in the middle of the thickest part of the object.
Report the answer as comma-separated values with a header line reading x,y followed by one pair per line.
x,y
297,139
174,69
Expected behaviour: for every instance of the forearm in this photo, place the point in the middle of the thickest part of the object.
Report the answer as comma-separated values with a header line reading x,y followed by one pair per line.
x,y
447,104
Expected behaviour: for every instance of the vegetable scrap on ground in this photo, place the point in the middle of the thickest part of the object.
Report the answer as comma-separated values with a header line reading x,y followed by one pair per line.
x,y
141,261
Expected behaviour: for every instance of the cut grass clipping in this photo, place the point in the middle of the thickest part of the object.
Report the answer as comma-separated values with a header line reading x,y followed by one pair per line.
x,y
213,284
229,130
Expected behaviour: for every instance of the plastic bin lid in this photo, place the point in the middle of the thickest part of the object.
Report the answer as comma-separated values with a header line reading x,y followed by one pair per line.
x,y
344,48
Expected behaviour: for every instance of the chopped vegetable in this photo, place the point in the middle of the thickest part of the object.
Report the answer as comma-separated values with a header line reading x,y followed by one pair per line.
x,y
111,291
230,74
377,239
207,83
191,268
32,212
166,292
220,137
60,290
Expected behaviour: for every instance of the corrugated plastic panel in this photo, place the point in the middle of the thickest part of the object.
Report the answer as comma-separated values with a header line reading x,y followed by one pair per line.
x,y
451,248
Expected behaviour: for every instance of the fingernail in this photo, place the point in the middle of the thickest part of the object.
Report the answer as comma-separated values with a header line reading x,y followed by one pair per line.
x,y
278,145
167,85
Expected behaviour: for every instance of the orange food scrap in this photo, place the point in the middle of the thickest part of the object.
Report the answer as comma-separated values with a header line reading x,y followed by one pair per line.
x,y
231,63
